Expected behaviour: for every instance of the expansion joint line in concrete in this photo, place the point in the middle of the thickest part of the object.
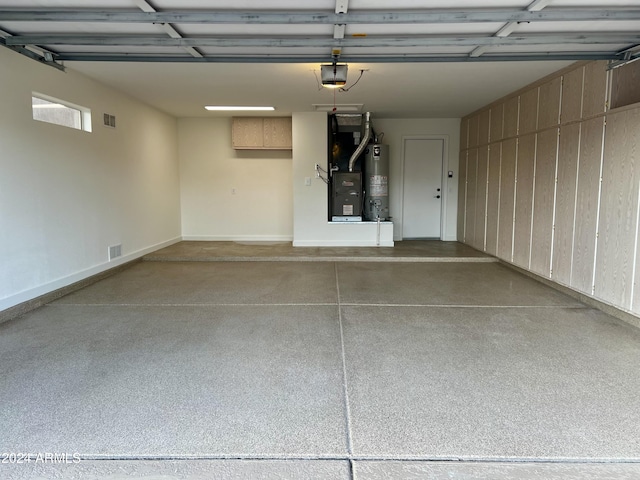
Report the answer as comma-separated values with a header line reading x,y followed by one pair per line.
x,y
373,458
345,384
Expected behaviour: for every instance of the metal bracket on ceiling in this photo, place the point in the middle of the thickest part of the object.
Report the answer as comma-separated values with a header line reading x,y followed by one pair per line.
x,y
338,30
41,55
342,6
629,55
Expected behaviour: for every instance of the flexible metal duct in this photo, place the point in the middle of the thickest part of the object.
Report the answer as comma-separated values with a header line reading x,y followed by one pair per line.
x,y
363,142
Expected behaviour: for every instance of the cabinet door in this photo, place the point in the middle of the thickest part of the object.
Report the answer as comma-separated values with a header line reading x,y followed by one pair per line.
x,y
277,132
247,132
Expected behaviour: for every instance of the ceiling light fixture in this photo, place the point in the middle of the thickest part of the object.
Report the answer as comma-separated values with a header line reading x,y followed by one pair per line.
x,y
333,75
217,108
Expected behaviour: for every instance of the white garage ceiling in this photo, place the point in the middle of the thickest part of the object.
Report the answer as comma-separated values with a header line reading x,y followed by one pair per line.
x,y
427,58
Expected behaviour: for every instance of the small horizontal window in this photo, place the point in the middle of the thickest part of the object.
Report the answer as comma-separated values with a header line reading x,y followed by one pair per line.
x,y
51,110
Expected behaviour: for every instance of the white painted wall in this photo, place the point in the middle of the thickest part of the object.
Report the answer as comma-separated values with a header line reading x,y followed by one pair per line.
x,y
271,200
67,195
261,209
394,132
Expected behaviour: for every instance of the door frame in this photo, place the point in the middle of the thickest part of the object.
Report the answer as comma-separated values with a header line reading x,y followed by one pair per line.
x,y
443,179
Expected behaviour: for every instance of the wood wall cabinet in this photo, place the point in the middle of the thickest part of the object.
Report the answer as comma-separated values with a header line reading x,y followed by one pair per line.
x,y
624,90
559,194
261,133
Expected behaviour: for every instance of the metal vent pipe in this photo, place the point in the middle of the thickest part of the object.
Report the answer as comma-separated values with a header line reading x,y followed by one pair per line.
x,y
363,142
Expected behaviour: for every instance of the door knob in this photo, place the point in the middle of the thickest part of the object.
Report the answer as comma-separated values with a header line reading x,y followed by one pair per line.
x,y
437,196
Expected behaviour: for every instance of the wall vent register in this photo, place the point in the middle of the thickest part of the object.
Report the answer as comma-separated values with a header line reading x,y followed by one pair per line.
x,y
109,120
115,251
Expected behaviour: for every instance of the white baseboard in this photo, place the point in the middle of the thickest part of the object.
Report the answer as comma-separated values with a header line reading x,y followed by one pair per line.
x,y
340,243
446,238
49,287
238,238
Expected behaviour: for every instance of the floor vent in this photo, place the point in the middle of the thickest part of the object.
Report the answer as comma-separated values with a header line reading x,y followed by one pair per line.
x,y
109,120
115,251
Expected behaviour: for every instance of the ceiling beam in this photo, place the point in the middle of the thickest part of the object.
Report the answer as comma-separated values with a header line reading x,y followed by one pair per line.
x,y
144,6
507,29
167,27
538,5
566,56
614,38
369,17
510,27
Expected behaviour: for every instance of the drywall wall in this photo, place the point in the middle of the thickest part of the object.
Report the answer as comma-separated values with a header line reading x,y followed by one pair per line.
x,y
227,194
67,195
395,130
569,183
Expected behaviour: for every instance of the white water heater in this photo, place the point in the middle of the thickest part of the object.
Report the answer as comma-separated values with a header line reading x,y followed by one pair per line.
x,y
376,182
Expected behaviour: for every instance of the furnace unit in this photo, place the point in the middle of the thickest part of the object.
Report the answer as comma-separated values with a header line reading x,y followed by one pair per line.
x,y
346,198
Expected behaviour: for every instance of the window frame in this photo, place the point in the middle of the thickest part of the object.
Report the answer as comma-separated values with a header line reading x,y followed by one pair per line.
x,y
85,113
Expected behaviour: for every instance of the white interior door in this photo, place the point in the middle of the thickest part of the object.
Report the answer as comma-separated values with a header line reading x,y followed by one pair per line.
x,y
422,192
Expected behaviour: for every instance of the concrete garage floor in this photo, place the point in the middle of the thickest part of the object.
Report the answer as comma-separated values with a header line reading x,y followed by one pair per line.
x,y
330,369
407,251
